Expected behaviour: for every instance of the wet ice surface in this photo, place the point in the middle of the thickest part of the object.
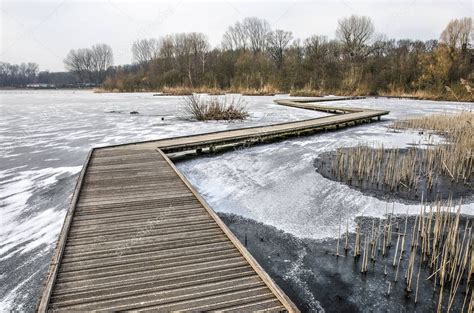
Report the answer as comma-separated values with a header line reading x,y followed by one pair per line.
x,y
45,137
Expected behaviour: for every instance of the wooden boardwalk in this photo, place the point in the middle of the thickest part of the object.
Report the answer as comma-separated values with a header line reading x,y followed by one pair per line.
x,y
138,237
343,117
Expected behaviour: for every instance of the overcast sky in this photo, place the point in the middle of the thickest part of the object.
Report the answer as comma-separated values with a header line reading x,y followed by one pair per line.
x,y
44,31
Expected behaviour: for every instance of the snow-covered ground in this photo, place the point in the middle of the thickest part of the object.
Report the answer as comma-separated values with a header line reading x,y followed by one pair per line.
x,y
45,137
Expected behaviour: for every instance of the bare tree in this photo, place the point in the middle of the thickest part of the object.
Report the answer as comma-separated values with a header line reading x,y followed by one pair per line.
x,y
278,41
199,48
235,38
457,34
188,52
29,71
146,50
18,75
356,33
182,55
80,62
257,31
228,42
318,50
167,50
316,47
90,64
102,59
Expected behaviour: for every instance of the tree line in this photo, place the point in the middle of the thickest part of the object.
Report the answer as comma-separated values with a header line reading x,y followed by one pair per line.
x,y
17,74
24,74
253,57
86,67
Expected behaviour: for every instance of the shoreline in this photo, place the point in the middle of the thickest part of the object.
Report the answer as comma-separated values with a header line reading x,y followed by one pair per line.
x,y
296,93
221,92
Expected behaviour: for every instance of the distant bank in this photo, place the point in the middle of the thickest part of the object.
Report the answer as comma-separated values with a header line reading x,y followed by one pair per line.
x,y
185,91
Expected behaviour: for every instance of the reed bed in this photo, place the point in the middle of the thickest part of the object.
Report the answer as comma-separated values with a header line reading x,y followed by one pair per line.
x,y
415,168
439,243
267,90
454,159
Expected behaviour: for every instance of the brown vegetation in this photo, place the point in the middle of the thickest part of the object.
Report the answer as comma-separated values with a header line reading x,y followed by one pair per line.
x,y
418,169
254,59
456,158
214,108
306,92
441,241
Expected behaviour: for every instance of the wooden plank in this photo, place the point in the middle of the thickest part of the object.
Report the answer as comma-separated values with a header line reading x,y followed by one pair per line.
x,y
154,286
177,252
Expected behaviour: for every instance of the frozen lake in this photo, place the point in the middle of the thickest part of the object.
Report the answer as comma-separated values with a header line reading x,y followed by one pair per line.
x,y
45,137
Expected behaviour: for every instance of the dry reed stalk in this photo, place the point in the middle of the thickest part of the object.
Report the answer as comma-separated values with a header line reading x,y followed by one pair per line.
x,y
428,240
404,234
373,240
459,273
346,246
379,236
399,261
438,240
357,242
393,168
469,277
362,268
417,282
396,251
338,237
413,233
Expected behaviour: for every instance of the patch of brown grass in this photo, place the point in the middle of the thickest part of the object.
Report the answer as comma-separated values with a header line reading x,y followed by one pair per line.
x,y
394,168
306,92
214,108
453,93
187,91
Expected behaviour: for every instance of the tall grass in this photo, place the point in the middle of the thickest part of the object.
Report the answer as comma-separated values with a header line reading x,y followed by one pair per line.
x,y
214,108
267,90
394,168
438,242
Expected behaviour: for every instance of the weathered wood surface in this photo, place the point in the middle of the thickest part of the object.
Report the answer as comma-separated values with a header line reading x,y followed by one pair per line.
x,y
140,238
137,235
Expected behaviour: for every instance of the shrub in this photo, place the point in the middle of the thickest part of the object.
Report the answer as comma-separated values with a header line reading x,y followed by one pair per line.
x,y
214,108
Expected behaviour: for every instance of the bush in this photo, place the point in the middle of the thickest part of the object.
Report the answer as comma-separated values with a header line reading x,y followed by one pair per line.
x,y
214,108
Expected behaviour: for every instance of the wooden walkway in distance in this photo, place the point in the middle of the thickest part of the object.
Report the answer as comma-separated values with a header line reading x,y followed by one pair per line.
x,y
343,117
137,235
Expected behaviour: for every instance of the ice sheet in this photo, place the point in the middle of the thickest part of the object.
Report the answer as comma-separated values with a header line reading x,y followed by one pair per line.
x,y
45,137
